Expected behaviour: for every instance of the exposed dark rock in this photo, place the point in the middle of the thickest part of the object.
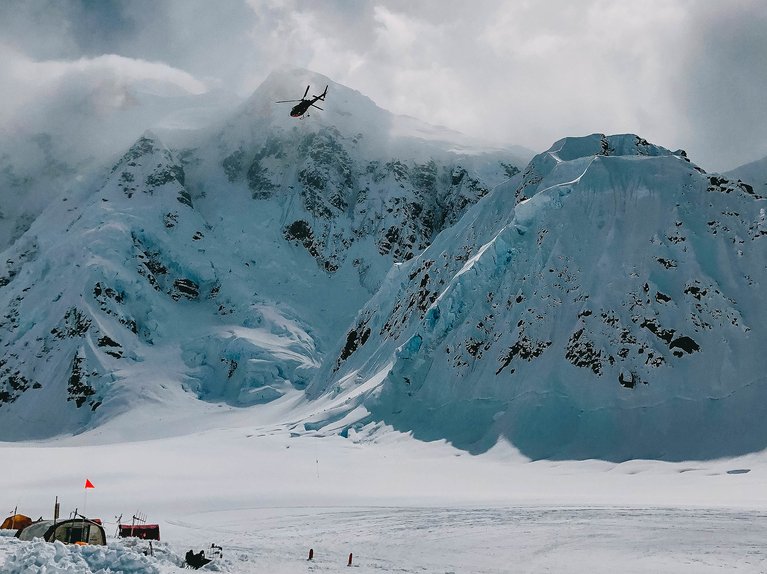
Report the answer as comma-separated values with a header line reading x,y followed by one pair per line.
x,y
186,288
510,170
524,348
629,381
686,344
696,291
260,185
184,197
232,165
106,296
606,149
652,326
113,348
170,220
73,324
353,341
143,146
723,185
232,366
667,263
662,297
580,352
165,174
79,390
13,384
299,231
127,184
106,341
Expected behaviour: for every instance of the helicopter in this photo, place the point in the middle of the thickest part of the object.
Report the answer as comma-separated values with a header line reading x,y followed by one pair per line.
x,y
304,104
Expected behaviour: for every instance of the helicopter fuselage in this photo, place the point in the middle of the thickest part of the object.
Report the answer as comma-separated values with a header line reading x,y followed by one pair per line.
x,y
300,109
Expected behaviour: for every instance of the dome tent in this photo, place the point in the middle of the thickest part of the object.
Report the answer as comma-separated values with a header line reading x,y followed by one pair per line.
x,y
68,531
16,522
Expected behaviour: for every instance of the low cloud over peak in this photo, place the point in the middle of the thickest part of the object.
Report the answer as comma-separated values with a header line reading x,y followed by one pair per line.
x,y
685,74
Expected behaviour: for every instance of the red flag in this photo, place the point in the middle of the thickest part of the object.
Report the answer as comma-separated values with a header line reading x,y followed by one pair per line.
x,y
88,484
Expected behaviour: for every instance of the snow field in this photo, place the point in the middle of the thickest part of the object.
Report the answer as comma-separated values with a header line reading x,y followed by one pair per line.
x,y
428,540
267,492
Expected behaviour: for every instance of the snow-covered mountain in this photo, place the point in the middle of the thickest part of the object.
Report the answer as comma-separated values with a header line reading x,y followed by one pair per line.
x,y
603,302
607,303
226,262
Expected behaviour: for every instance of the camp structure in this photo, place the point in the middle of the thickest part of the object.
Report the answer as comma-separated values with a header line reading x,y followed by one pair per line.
x,y
16,522
143,531
68,531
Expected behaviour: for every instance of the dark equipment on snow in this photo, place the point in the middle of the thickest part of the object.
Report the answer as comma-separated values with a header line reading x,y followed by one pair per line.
x,y
143,531
304,104
138,528
197,560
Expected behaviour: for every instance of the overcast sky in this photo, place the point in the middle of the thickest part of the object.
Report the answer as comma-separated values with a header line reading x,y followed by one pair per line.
x,y
686,74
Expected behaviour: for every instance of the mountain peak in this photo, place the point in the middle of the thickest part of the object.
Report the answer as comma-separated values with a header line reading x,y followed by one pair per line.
x,y
227,266
571,148
149,165
598,318
569,158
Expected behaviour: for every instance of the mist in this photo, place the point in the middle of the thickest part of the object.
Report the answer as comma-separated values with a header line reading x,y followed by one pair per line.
x,y
687,74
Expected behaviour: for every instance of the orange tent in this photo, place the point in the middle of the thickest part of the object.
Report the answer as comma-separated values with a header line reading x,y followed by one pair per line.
x,y
16,522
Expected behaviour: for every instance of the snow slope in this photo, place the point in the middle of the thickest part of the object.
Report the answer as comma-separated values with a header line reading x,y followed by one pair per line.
x,y
615,313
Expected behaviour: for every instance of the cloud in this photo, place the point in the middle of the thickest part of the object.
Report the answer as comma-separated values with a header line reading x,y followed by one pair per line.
x,y
511,72
682,74
83,110
724,88
84,86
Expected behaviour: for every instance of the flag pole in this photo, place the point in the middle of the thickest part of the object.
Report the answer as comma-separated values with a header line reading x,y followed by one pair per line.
x,y
88,484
